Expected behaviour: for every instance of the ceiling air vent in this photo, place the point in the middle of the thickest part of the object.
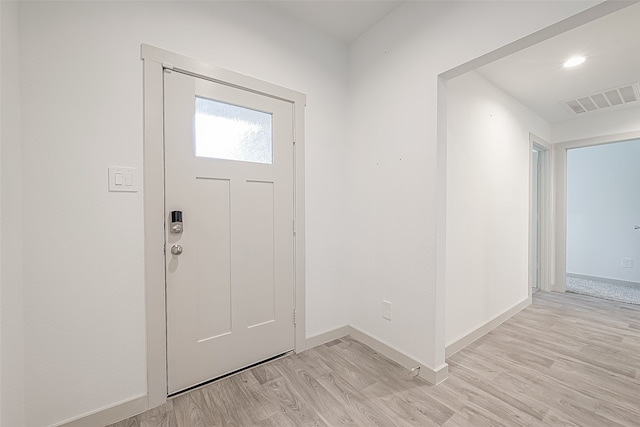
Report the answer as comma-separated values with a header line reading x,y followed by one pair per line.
x,y
622,95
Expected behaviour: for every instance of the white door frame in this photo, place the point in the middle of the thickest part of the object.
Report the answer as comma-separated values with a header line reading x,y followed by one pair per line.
x,y
545,156
560,155
155,61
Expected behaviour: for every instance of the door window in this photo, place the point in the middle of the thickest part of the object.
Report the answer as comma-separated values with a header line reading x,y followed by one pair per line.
x,y
230,132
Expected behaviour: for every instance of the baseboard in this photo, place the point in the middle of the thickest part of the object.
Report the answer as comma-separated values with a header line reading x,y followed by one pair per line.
x,y
110,414
603,279
136,405
436,376
326,337
433,376
458,345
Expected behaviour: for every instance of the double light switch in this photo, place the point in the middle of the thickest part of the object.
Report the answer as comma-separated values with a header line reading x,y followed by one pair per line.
x,y
123,179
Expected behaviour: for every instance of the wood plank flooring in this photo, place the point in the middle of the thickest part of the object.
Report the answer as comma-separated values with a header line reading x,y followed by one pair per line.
x,y
567,360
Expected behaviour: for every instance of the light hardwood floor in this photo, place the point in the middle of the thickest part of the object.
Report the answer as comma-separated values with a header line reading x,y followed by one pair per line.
x,y
565,360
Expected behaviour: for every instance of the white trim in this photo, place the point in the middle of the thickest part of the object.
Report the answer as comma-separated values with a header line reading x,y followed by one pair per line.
x,y
535,139
155,60
546,208
461,343
109,414
300,222
328,336
560,156
434,376
438,303
153,238
599,140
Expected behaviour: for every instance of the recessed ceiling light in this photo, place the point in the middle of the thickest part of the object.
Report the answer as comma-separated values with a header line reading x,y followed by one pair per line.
x,y
572,62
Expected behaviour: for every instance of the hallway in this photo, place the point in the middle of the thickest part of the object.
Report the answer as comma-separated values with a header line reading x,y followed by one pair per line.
x,y
565,360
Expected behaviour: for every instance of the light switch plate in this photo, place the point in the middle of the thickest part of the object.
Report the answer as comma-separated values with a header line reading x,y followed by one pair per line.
x,y
386,310
124,179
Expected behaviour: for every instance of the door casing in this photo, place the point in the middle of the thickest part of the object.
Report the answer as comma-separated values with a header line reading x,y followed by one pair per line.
x,y
560,155
544,150
155,62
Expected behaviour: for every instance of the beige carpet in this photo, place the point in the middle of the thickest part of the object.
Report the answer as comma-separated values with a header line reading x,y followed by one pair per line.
x,y
628,293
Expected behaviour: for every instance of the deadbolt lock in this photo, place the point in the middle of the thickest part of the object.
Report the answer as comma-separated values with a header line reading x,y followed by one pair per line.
x,y
176,222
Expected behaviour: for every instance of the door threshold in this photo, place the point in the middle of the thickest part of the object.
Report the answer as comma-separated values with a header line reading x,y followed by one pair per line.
x,y
237,371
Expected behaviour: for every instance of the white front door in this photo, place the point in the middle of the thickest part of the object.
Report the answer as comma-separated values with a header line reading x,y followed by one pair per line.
x,y
230,272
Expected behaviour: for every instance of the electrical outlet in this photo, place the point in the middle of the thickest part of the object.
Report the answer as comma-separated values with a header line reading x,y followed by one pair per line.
x,y
627,262
386,310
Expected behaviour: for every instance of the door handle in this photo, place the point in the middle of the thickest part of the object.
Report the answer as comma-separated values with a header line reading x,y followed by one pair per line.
x,y
176,249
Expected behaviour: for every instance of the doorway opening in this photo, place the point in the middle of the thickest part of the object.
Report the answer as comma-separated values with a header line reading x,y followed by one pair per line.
x,y
603,226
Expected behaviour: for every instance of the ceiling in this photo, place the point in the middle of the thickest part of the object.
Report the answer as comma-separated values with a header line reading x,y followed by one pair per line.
x,y
344,20
535,75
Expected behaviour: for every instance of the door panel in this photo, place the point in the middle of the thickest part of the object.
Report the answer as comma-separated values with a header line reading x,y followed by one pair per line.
x,y
260,253
212,219
230,292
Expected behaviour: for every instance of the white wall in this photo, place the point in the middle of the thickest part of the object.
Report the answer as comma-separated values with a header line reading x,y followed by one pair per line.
x,y
11,296
82,111
600,124
81,103
393,157
488,158
603,206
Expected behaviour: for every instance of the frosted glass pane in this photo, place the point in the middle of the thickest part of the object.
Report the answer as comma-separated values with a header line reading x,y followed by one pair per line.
x,y
225,131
